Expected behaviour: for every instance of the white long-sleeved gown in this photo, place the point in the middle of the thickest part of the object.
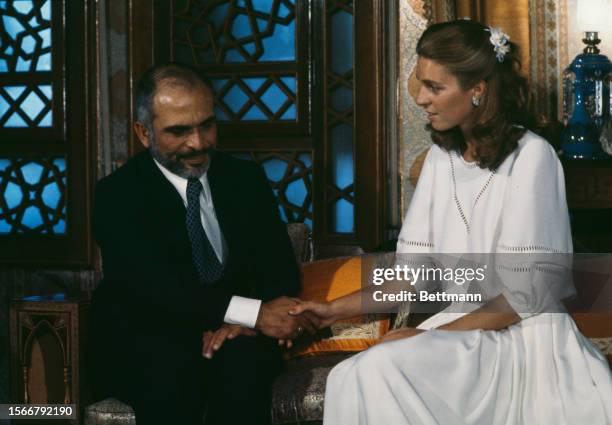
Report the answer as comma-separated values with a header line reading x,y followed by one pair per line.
x,y
540,371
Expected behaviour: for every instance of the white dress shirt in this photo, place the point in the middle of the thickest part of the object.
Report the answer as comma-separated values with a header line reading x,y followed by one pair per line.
x,y
242,311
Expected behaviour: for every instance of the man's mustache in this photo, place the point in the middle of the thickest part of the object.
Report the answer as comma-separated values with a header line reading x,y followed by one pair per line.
x,y
193,154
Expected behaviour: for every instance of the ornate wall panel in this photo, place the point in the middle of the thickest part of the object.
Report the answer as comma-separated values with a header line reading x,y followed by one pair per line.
x,y
546,61
414,140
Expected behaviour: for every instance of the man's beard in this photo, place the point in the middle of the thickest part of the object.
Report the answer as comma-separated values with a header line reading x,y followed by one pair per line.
x,y
175,166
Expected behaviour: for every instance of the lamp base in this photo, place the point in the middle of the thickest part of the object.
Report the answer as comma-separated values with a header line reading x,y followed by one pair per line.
x,y
583,151
580,141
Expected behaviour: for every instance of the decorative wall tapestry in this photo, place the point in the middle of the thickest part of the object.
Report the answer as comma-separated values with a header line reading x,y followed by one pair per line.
x,y
549,53
413,139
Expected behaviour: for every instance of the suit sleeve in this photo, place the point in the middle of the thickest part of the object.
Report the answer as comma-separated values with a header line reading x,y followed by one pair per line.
x,y
138,273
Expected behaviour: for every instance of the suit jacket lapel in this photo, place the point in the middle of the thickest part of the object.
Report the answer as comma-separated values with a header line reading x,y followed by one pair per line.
x,y
164,204
220,181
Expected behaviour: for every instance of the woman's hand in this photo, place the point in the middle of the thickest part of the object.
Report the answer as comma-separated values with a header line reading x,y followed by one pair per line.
x,y
323,311
400,333
320,313
212,341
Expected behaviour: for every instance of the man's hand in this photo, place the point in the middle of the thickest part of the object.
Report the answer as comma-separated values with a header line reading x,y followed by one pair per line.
x,y
275,321
212,341
400,333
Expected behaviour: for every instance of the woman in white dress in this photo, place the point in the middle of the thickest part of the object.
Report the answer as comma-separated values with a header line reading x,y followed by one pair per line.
x,y
488,185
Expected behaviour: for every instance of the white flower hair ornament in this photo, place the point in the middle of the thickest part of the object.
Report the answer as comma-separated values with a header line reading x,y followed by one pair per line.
x,y
500,41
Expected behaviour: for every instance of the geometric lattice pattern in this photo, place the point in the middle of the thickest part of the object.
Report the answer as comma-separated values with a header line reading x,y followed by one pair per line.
x,y
25,35
255,98
290,176
339,115
234,31
32,196
26,106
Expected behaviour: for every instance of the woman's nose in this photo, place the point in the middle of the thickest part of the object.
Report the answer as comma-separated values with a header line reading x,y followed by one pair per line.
x,y
422,99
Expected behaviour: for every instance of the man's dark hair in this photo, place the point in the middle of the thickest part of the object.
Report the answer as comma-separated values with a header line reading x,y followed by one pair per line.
x,y
170,73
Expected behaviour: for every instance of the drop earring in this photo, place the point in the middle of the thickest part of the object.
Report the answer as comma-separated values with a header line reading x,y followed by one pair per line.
x,y
475,101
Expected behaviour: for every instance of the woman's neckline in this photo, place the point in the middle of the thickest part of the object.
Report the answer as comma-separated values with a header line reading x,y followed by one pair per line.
x,y
468,164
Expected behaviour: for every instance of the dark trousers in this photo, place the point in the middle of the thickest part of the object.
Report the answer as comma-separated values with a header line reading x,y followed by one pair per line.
x,y
239,381
173,384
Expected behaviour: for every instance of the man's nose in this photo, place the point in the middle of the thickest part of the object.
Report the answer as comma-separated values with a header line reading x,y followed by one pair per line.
x,y
198,140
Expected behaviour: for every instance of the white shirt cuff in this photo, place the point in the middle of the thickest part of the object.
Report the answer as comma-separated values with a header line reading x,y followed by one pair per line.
x,y
242,311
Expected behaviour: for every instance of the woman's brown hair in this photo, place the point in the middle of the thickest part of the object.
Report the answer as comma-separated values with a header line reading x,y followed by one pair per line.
x,y
504,114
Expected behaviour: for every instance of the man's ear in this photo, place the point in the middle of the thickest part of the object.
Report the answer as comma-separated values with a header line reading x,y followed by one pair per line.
x,y
142,133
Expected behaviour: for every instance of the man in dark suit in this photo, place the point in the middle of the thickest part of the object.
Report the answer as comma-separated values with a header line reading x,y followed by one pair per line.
x,y
192,246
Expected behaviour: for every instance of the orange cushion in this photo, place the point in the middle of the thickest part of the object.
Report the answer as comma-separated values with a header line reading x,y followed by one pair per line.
x,y
327,280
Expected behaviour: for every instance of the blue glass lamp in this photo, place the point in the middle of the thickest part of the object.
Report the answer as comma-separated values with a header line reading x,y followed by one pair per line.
x,y
586,92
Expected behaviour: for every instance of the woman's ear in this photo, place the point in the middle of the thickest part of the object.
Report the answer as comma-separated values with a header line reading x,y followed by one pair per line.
x,y
480,89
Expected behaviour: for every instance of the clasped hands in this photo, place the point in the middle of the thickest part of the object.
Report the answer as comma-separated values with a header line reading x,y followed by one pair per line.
x,y
286,319
283,318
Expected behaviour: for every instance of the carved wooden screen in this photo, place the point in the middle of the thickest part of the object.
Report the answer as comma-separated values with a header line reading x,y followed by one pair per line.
x,y
43,143
282,71
255,54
